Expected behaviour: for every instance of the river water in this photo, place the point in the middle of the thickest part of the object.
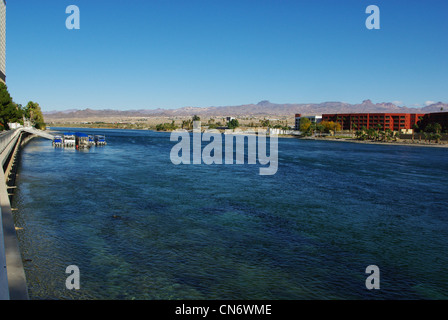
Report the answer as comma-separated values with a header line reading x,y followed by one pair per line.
x,y
139,227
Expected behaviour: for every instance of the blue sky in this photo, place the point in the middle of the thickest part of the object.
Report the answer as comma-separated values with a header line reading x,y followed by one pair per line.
x,y
145,54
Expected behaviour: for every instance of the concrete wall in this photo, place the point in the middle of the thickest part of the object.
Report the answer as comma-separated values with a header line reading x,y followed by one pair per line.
x,y
417,137
12,275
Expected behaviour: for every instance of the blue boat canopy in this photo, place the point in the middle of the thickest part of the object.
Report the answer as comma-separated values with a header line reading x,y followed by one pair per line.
x,y
81,135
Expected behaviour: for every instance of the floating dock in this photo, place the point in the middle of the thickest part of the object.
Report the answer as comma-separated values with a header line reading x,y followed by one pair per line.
x,y
78,140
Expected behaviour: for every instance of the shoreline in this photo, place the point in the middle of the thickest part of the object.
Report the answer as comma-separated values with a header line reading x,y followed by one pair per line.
x,y
409,143
395,143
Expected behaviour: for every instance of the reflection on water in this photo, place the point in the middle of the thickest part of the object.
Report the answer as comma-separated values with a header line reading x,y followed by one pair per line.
x,y
139,227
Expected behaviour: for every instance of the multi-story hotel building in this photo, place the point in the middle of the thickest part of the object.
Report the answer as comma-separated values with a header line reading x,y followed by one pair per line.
x,y
392,121
3,40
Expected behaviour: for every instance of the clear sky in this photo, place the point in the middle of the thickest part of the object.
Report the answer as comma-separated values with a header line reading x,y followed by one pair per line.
x,y
145,54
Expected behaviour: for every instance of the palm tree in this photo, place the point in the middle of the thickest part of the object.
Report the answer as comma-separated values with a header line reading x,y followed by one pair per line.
x,y
371,134
414,129
353,126
337,121
378,128
389,133
360,134
437,128
313,128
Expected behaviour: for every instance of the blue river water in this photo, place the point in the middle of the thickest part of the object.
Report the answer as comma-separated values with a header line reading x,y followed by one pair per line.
x,y
139,227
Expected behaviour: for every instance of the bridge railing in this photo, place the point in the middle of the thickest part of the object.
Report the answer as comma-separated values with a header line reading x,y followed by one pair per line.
x,y
6,137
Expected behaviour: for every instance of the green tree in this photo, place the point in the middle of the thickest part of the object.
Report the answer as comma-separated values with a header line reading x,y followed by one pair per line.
x,y
196,118
187,124
371,134
321,128
33,112
265,123
313,128
378,127
166,126
415,128
389,134
437,136
233,124
9,111
329,125
437,128
305,124
353,126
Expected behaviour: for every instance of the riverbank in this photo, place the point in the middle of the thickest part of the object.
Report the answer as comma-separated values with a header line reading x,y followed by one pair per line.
x,y
400,142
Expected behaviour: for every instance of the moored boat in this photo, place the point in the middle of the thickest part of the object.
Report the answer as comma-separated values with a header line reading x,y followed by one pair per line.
x,y
91,140
82,140
69,139
58,141
100,140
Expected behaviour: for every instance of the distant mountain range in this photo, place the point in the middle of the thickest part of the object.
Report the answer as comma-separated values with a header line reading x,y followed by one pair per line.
x,y
263,108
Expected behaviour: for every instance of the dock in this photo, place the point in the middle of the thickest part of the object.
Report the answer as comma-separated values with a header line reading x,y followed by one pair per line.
x,y
78,140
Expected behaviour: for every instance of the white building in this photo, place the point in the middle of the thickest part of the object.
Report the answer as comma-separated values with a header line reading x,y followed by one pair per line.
x,y
2,40
14,125
313,119
277,131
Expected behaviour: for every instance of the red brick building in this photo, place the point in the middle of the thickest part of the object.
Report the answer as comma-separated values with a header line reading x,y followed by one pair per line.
x,y
392,121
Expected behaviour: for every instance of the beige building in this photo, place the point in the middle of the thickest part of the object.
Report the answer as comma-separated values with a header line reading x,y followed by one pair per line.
x,y
3,40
